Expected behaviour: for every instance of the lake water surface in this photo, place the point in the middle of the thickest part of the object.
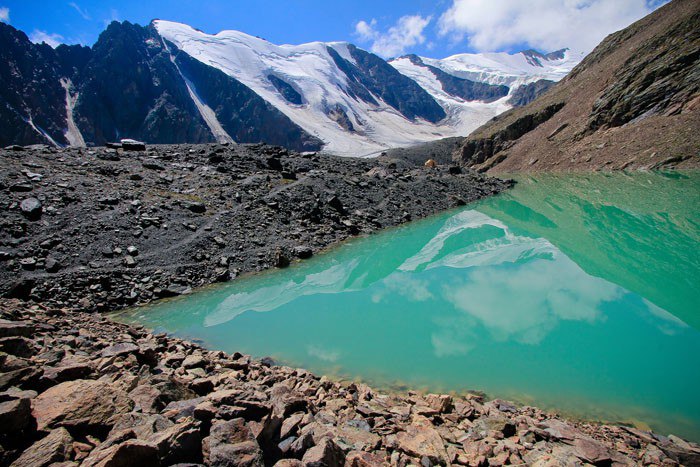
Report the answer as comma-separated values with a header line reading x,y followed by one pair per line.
x,y
579,293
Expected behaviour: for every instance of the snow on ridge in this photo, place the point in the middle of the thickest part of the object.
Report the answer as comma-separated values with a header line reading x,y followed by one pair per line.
x,y
313,72
206,112
499,68
512,70
310,69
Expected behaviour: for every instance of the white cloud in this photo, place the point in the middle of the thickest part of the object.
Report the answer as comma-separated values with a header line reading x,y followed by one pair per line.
x,y
54,40
80,11
365,31
490,25
407,32
4,15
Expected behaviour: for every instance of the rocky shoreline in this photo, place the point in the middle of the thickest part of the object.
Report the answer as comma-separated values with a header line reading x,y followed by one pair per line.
x,y
101,229
79,389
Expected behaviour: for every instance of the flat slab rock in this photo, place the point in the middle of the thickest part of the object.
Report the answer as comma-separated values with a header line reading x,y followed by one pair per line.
x,y
85,404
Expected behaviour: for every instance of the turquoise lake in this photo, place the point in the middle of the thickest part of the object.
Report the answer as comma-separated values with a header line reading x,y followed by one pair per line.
x,y
576,293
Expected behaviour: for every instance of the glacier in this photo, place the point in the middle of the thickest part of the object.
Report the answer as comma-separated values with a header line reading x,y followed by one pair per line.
x,y
312,72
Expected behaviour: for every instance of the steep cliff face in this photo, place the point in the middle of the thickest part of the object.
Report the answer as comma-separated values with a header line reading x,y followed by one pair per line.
x,y
245,116
32,101
397,90
634,102
461,87
529,92
131,89
130,84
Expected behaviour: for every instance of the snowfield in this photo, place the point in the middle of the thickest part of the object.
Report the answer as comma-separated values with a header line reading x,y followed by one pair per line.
x,y
312,72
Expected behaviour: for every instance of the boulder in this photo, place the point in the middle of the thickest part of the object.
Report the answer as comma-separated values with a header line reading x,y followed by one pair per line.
x,y
80,405
559,430
290,425
129,453
326,453
19,377
289,463
15,416
194,361
18,346
52,265
363,459
133,145
196,207
421,439
55,447
303,252
179,443
116,350
350,438
183,408
21,187
68,369
591,451
31,208
231,443
147,398
15,328
484,425
441,403
140,424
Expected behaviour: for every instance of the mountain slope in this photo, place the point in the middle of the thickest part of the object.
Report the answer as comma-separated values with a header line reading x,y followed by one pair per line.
x,y
130,89
169,83
634,102
473,88
352,100
128,85
32,98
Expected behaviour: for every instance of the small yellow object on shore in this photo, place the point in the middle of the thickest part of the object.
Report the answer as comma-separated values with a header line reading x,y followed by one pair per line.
x,y
430,163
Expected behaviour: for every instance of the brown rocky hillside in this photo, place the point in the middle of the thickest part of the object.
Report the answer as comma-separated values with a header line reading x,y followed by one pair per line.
x,y
634,102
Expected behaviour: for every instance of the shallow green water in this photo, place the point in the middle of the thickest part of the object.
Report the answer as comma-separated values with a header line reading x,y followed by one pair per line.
x,y
579,293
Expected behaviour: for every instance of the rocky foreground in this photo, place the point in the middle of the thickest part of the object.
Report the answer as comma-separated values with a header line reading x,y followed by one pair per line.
x,y
105,228
100,229
80,389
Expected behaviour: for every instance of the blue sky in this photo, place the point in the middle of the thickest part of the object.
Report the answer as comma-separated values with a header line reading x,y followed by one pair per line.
x,y
389,28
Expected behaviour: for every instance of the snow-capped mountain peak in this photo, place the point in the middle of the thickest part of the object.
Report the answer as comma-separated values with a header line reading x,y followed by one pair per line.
x,y
171,83
332,91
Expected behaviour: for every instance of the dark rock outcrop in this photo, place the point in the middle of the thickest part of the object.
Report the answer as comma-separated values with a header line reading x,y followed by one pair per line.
x,y
464,88
286,89
651,81
476,151
32,100
128,85
130,88
337,113
527,93
535,58
372,75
